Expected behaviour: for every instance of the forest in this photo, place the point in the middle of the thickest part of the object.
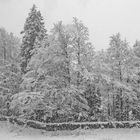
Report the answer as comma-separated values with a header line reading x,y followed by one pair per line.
x,y
57,76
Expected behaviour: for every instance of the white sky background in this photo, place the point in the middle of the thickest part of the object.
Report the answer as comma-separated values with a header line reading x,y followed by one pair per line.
x,y
102,17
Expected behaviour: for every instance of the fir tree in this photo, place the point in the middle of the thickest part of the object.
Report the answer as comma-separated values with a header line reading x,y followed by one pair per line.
x,y
34,31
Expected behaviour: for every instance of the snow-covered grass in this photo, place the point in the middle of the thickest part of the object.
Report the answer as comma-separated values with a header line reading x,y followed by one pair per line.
x,y
10,132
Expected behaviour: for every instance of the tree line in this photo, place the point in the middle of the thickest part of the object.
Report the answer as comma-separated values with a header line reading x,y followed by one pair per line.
x,y
59,77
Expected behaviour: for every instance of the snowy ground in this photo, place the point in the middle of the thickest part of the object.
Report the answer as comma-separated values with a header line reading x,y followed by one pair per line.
x,y
8,132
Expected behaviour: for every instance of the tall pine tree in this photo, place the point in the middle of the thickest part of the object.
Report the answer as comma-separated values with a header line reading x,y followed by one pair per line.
x,y
33,33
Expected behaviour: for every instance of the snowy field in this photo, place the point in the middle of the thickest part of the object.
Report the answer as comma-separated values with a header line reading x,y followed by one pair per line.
x,y
8,132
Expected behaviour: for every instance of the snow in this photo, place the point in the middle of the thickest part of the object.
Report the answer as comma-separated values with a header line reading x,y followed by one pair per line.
x,y
10,132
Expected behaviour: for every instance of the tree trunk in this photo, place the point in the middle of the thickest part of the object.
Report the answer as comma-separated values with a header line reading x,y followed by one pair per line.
x,y
113,110
121,95
4,51
79,62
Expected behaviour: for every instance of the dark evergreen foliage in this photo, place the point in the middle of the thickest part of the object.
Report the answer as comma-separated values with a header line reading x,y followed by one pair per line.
x,y
34,32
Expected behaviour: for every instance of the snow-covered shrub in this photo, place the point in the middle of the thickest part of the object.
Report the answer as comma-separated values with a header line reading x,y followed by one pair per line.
x,y
10,79
26,104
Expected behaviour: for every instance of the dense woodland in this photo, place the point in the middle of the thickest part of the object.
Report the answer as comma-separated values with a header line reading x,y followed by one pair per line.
x,y
58,76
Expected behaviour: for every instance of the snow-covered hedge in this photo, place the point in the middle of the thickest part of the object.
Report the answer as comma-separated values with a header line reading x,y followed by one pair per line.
x,y
72,125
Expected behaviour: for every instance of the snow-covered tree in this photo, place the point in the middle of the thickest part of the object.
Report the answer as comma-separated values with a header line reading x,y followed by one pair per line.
x,y
10,77
10,80
34,31
119,58
81,48
9,46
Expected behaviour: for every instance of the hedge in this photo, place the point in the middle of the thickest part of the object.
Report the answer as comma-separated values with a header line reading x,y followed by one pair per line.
x,y
71,125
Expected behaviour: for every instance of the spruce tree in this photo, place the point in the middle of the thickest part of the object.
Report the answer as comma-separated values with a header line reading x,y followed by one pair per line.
x,y
34,31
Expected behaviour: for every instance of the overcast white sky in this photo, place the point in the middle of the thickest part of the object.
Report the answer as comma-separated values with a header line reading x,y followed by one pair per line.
x,y
102,17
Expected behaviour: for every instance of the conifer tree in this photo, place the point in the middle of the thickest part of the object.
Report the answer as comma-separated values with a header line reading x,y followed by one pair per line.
x,y
119,58
34,31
